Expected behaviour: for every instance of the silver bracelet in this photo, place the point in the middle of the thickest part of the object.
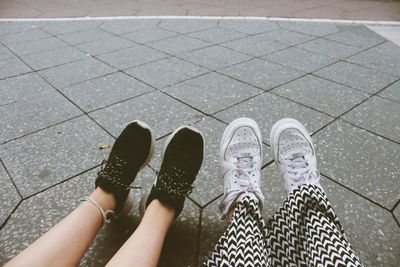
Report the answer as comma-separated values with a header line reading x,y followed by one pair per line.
x,y
107,215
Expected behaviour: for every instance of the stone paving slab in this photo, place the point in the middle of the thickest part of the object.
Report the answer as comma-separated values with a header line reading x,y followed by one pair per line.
x,y
13,67
386,122
132,56
8,195
166,72
212,92
294,58
255,45
262,74
392,92
114,118
330,48
105,46
46,106
109,90
358,77
364,162
72,73
215,57
50,156
186,73
52,58
325,96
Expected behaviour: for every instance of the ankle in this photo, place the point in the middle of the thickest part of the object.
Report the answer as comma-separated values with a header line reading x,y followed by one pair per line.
x,y
158,208
106,200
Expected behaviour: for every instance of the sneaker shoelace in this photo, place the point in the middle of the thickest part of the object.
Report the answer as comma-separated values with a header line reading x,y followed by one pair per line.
x,y
110,172
300,171
172,183
240,171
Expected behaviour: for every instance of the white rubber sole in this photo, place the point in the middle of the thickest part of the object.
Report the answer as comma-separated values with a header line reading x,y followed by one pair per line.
x,y
143,200
232,127
279,127
130,198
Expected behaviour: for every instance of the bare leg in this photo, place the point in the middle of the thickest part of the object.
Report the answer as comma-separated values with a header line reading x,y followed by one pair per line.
x,y
144,246
67,241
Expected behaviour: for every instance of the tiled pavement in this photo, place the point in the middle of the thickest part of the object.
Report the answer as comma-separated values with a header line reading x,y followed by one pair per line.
x,y
337,9
68,87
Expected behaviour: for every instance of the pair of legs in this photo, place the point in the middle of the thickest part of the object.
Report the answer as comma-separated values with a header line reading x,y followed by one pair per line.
x,y
304,232
66,243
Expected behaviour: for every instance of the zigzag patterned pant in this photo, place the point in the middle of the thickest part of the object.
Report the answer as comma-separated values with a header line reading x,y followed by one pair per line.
x,y
305,231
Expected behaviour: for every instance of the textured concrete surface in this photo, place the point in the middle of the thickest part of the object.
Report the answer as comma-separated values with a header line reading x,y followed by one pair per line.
x,y
69,87
338,9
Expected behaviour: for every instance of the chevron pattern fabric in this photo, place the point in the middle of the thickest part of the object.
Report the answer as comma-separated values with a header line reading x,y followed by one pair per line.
x,y
305,231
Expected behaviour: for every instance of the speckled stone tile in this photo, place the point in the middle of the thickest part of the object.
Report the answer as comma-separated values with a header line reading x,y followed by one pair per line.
x,y
396,213
211,92
371,230
178,45
358,36
330,48
262,74
208,184
249,26
9,196
361,161
325,96
46,106
367,226
187,25
295,58
316,29
255,45
355,76
268,108
108,89
75,38
126,26
149,35
287,37
166,72
13,67
43,210
392,92
215,57
105,46
385,58
36,46
163,117
24,36
76,72
54,57
378,115
212,228
130,57
15,27
217,35
47,157
57,27
5,53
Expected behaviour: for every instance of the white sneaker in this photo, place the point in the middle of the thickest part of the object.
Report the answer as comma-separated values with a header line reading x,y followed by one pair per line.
x,y
241,160
294,154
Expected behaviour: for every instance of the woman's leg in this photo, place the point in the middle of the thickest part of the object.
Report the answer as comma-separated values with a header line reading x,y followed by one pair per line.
x,y
182,160
67,241
144,246
305,231
243,243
